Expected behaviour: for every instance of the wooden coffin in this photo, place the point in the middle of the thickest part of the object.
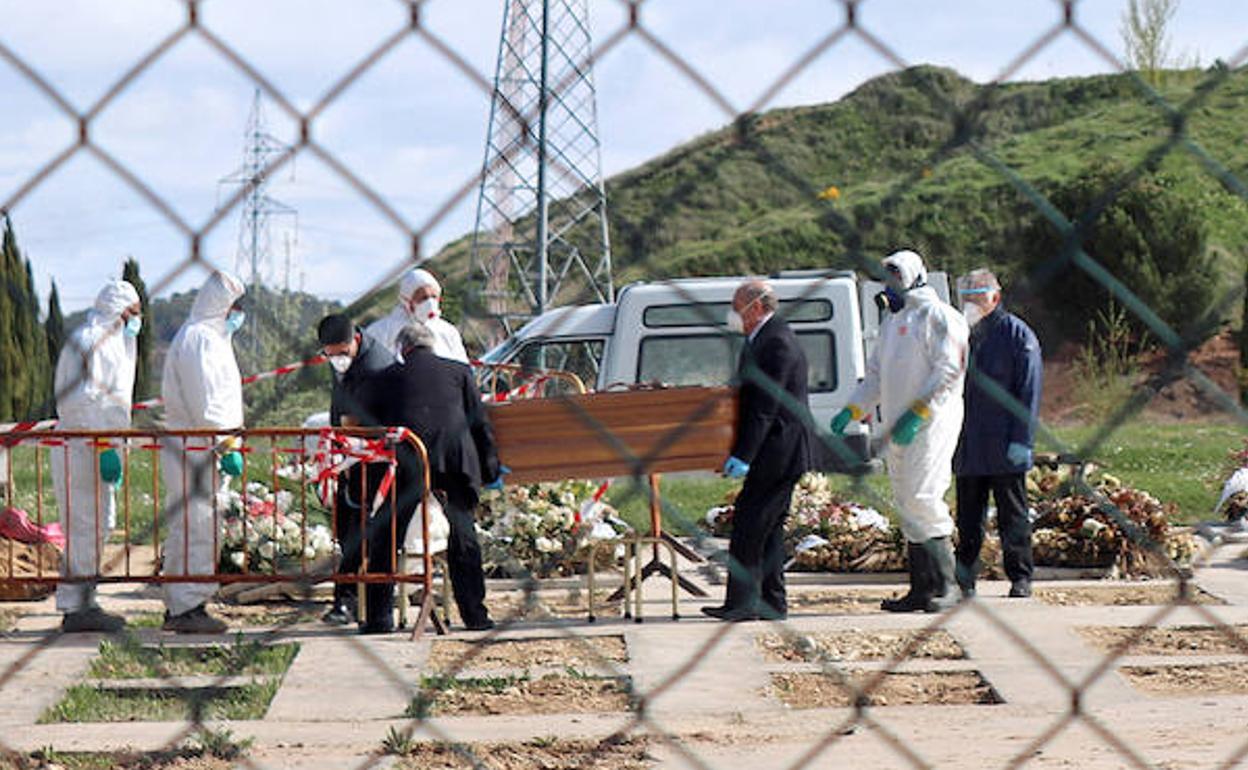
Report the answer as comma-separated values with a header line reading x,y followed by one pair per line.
x,y
594,435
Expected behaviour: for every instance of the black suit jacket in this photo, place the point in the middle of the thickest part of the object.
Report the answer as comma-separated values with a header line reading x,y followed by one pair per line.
x,y
438,400
771,436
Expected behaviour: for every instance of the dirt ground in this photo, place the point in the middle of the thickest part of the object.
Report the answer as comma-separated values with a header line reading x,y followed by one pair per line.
x,y
550,604
1218,359
932,688
548,754
839,602
549,695
1143,594
119,761
585,652
1180,640
1224,678
854,644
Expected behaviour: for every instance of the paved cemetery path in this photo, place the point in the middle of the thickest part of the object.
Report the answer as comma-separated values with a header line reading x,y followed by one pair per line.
x,y
705,686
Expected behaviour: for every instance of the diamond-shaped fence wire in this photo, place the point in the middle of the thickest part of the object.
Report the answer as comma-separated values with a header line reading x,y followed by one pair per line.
x,y
694,693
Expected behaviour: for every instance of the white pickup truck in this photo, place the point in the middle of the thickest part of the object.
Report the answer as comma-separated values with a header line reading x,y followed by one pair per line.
x,y
673,333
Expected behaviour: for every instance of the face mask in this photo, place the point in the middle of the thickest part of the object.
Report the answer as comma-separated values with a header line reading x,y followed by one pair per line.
x,y
341,363
427,310
895,301
134,325
973,312
234,321
735,323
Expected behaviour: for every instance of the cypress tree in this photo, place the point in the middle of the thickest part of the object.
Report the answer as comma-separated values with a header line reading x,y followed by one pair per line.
x,y
34,353
143,385
10,361
54,326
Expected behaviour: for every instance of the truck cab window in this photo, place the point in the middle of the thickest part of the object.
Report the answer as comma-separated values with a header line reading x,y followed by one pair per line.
x,y
581,357
711,359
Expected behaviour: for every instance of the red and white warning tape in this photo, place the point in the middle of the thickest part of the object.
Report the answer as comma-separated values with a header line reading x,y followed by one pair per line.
x,y
33,425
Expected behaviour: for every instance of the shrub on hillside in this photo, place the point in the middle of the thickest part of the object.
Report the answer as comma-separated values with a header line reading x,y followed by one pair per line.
x,y
1147,235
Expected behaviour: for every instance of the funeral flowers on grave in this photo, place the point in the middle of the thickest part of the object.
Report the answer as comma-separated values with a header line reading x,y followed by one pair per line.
x,y
261,533
545,530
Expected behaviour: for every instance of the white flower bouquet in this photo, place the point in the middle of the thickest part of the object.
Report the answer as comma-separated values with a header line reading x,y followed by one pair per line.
x,y
260,533
827,534
545,530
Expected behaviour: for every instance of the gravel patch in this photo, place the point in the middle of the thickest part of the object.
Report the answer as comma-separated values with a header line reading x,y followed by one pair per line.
x,y
933,688
552,694
1179,640
522,654
1120,595
1224,679
854,644
546,753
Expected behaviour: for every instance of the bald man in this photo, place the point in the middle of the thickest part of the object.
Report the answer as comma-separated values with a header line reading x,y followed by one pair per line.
x,y
772,450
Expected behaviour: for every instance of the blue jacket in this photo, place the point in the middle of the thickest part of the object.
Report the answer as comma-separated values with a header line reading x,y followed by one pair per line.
x,y
1005,359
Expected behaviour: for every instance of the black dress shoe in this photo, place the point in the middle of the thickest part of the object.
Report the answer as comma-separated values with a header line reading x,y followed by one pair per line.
x,y
479,625
731,614
339,615
369,630
1020,589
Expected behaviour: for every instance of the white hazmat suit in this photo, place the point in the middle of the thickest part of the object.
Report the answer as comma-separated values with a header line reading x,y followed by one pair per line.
x,y
94,385
446,340
202,388
920,358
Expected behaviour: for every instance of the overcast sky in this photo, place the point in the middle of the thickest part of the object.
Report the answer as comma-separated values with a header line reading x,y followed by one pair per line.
x,y
413,127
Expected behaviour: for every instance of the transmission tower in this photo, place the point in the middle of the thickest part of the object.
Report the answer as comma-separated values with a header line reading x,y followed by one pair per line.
x,y
541,231
254,258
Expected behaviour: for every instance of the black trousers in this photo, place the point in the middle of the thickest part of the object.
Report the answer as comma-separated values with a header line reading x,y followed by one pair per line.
x,y
350,499
463,550
1009,491
756,548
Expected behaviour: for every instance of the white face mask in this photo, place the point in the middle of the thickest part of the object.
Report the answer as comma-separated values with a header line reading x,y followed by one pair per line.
x,y
427,310
341,363
973,312
736,324
133,326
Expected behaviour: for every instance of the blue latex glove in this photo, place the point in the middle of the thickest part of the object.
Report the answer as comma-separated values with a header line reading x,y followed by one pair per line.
x,y
844,417
110,467
735,468
497,484
231,464
1018,454
909,423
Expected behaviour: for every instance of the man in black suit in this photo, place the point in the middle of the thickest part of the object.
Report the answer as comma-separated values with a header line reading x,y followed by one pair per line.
x,y
437,399
358,362
772,451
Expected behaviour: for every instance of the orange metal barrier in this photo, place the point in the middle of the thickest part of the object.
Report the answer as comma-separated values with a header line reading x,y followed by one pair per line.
x,y
281,458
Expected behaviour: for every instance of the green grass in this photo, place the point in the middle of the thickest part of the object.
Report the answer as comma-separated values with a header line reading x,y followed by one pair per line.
x,y
129,659
1177,463
87,703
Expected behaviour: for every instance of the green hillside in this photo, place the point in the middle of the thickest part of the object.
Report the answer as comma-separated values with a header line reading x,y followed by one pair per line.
x,y
912,155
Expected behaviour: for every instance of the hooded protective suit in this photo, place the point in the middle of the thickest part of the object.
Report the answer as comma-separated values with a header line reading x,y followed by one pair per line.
x,y
920,358
202,388
446,340
94,385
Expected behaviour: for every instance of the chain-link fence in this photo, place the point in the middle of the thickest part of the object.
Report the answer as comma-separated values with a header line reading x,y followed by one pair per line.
x,y
669,690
